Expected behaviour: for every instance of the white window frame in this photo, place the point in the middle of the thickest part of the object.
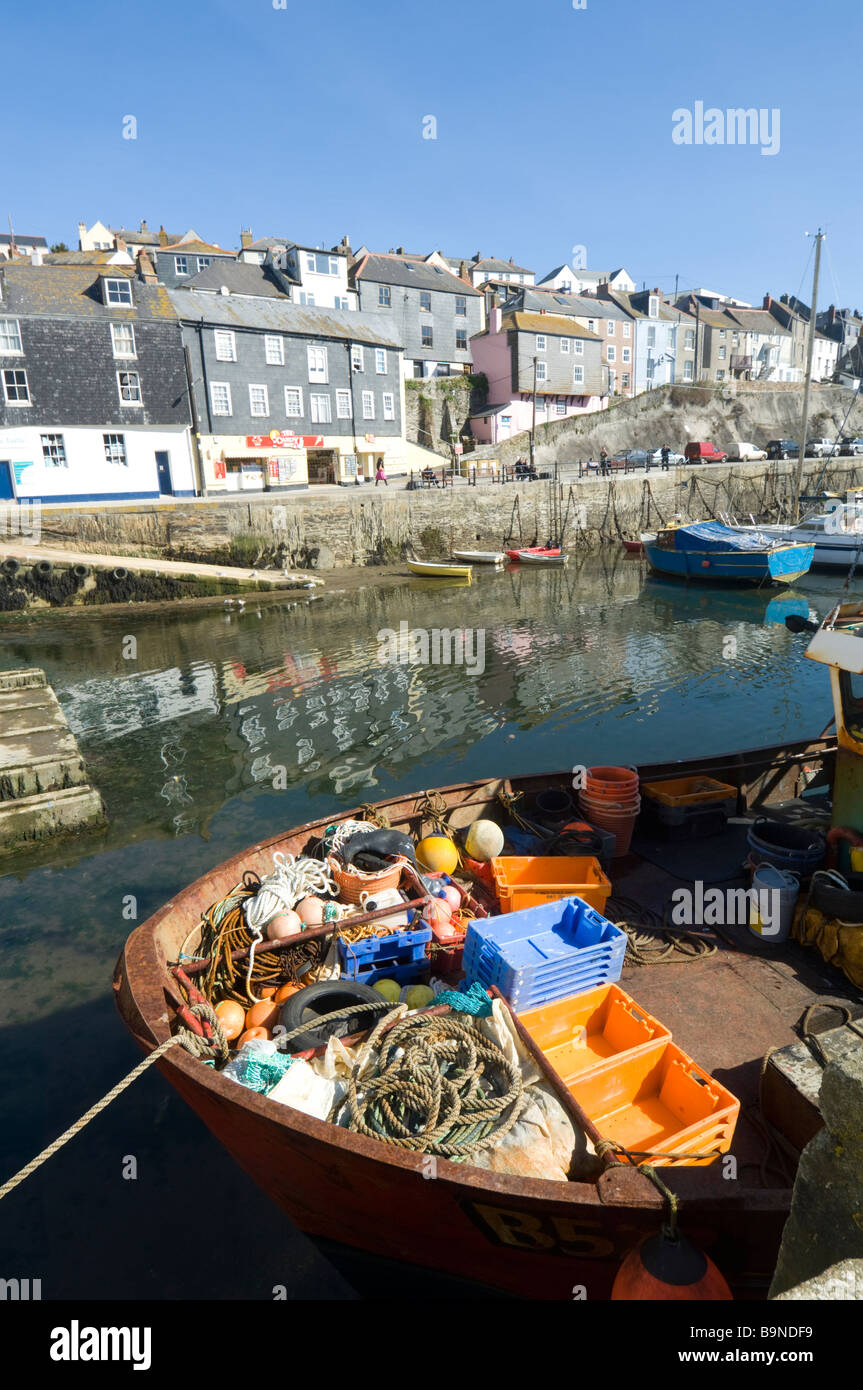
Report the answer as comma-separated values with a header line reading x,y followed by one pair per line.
x,y
565,345
14,328
113,449
124,328
578,375
321,407
385,297
459,346
591,325
579,347
627,355
688,371
274,350
126,289
381,361
426,328
425,308
610,329
318,365
214,407
48,459
542,371
294,414
311,263
344,406
541,342
334,265
723,353
259,386
136,404
627,330
611,353
652,306
225,340
357,359
560,406
185,262
626,381
461,299
389,403
203,262
368,405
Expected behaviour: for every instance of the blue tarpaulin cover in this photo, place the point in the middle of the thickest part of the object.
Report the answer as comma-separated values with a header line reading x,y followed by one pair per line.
x,y
711,535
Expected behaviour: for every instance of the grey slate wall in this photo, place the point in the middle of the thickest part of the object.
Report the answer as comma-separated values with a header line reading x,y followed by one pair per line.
x,y
165,266
251,368
72,374
408,320
559,364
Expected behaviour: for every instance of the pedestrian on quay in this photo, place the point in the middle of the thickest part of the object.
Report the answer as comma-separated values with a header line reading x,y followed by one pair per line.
x,y
604,469
666,455
380,476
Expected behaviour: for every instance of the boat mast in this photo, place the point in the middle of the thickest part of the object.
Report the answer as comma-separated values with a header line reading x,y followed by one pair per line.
x,y
801,458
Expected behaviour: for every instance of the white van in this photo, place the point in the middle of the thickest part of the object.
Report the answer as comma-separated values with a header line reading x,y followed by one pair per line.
x,y
745,452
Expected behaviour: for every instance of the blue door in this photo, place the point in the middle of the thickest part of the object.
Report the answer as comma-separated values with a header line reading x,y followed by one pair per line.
x,y
163,468
6,493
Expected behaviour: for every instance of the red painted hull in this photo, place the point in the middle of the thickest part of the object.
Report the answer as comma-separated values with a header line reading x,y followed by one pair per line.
x,y
533,550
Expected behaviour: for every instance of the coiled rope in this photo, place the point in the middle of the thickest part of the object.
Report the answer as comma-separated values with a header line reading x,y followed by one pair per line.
x,y
437,1086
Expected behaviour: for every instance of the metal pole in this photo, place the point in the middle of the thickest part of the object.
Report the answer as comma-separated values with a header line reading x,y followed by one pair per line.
x,y
533,420
801,458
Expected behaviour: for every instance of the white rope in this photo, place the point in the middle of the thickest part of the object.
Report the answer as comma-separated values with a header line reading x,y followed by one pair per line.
x,y
337,835
291,881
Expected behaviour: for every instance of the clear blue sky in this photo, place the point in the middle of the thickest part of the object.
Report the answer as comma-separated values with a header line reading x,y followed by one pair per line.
x,y
553,130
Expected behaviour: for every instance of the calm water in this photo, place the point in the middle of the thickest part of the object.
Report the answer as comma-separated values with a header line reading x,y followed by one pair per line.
x,y
595,663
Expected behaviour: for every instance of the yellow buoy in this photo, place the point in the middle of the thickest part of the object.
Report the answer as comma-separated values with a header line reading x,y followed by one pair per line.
x,y
437,854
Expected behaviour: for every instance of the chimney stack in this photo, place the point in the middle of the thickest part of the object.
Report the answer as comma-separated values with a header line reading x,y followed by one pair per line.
x,y
163,236
145,267
766,303
246,238
36,256
495,316
82,232
143,227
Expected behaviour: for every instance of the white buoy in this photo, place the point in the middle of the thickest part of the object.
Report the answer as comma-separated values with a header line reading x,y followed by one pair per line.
x,y
484,841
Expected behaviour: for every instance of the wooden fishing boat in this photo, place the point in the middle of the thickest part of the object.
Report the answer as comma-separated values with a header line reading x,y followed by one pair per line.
x,y
633,547
525,1237
711,552
429,569
532,557
533,550
480,557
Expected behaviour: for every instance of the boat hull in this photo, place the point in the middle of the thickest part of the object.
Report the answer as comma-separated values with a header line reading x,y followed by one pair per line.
x,y
533,550
528,557
479,557
429,570
781,566
520,1236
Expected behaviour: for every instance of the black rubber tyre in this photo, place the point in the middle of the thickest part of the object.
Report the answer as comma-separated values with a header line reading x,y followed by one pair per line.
x,y
316,1001
43,569
11,567
119,574
81,571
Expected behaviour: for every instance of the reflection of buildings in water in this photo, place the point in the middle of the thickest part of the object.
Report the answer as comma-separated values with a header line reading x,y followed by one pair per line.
x,y
106,709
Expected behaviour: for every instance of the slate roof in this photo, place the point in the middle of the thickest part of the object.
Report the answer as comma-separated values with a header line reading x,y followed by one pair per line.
x,y
282,316
556,325
82,258
530,299
21,240
240,278
74,291
755,321
144,238
552,273
495,266
398,270
197,248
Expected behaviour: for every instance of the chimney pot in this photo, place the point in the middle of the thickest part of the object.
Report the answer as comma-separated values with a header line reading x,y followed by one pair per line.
x,y
246,237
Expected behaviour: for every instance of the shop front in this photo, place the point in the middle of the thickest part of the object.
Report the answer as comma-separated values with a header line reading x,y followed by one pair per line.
x,y
254,463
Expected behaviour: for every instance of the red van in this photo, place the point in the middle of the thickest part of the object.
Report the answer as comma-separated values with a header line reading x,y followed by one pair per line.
x,y
705,452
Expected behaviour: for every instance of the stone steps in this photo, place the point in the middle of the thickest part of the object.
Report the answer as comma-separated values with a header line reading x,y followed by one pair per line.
x,y
35,818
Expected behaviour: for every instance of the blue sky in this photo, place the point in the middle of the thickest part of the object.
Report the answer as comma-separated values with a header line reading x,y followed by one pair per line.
x,y
553,130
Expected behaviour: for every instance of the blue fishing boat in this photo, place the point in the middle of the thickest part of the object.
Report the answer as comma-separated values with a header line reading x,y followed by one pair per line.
x,y
708,550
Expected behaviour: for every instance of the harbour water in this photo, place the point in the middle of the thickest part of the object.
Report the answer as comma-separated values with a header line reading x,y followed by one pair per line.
x,y
215,728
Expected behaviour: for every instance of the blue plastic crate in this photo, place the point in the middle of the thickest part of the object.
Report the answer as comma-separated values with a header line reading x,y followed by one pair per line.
x,y
401,956
543,953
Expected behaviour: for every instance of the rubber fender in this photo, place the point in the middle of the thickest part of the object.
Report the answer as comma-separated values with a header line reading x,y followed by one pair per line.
x,y
316,1001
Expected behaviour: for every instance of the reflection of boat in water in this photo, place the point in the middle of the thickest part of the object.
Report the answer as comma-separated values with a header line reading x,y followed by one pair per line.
x,y
734,604
710,552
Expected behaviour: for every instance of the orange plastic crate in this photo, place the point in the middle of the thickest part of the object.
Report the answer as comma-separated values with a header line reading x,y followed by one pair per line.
x,y
689,791
661,1102
594,1030
528,880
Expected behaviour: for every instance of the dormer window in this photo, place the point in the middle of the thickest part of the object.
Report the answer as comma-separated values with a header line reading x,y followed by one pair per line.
x,y
653,307
117,292
181,265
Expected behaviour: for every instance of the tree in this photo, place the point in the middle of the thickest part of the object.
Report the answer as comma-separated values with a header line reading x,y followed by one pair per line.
x,y
59,246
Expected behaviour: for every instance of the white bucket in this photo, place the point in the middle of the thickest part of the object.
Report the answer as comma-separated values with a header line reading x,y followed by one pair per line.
x,y
773,926
385,897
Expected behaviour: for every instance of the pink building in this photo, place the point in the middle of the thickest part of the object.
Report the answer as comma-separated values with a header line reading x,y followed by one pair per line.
x,y
549,355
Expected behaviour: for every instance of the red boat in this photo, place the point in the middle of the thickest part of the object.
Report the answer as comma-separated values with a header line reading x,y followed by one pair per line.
x,y
634,547
529,1238
534,550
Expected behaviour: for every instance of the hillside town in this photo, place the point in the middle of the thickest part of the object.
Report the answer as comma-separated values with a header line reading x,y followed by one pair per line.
x,y
146,364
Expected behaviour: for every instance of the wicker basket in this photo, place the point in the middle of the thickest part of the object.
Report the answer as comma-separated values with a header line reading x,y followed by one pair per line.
x,y
353,882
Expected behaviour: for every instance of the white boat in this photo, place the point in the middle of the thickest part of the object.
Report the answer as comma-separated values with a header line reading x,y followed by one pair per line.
x,y
836,532
530,557
480,557
429,569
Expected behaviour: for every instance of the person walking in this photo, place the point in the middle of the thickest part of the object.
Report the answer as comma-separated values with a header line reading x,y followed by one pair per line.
x,y
380,475
604,469
666,455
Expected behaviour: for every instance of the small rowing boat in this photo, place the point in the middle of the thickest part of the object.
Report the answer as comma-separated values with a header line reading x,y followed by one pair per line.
x,y
533,550
479,557
634,547
530,557
429,569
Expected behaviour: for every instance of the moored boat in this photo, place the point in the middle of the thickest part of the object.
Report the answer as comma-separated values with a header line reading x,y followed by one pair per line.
x,y
533,550
634,547
835,530
429,569
532,557
710,551
480,557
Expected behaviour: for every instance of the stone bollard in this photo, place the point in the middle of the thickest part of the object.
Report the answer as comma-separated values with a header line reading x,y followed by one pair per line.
x,y
825,1226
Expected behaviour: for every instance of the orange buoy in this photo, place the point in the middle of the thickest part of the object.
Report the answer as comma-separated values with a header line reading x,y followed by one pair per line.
x,y
667,1267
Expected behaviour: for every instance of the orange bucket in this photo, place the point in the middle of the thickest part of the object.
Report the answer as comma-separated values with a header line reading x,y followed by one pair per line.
x,y
621,823
611,783
352,883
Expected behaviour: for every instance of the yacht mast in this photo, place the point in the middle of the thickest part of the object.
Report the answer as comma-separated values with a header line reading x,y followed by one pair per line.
x,y
801,458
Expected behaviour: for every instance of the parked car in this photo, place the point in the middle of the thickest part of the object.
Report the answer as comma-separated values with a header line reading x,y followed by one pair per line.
x,y
705,452
782,448
747,452
656,457
818,448
636,458
847,445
